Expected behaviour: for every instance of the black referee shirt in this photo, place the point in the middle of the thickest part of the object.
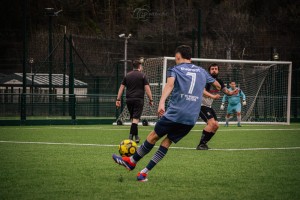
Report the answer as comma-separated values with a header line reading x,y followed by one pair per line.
x,y
135,82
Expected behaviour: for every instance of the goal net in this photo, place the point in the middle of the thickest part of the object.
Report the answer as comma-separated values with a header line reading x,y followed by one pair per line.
x,y
266,84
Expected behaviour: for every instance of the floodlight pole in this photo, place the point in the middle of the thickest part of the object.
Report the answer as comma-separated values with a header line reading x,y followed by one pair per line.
x,y
125,50
125,56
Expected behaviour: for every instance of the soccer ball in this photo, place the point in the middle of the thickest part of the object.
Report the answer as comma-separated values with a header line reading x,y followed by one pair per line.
x,y
127,147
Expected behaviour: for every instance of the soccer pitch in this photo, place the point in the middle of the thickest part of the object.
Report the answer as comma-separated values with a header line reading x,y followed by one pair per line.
x,y
74,162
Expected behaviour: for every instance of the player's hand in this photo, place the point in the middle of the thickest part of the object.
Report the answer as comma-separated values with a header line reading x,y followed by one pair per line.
x,y
244,103
151,103
118,104
217,96
236,91
222,106
161,110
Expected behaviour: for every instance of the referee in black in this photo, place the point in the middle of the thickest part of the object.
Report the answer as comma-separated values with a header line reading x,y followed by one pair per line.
x,y
136,84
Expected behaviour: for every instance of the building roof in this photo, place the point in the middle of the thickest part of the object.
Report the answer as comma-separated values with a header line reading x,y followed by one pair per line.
x,y
39,80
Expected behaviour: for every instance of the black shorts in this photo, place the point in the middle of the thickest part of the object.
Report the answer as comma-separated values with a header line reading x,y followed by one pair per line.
x,y
174,131
135,107
207,113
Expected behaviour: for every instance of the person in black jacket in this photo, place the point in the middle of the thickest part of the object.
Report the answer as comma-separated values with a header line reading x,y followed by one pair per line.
x,y
136,84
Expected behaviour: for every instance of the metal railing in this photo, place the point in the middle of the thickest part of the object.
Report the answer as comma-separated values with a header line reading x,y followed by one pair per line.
x,y
62,106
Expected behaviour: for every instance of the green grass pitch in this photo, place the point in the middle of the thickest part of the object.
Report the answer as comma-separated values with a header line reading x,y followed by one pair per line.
x,y
74,162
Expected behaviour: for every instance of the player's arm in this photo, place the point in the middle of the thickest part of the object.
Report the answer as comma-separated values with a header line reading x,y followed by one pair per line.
x,y
217,85
223,102
207,94
148,90
166,92
228,92
244,97
120,92
224,98
149,94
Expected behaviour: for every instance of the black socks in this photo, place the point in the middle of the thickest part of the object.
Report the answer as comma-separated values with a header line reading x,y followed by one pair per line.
x,y
206,136
134,129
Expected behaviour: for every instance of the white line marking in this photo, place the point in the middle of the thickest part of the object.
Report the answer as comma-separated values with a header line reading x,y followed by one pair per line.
x,y
126,129
111,145
261,129
245,149
59,143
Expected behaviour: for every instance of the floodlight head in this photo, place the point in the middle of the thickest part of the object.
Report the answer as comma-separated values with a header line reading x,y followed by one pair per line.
x,y
129,35
122,35
49,11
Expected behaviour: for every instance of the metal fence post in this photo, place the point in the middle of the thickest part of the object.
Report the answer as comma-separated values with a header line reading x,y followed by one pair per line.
x,y
71,81
25,50
50,64
64,75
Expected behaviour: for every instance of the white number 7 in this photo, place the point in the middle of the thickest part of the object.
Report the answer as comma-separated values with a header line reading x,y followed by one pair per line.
x,y
193,75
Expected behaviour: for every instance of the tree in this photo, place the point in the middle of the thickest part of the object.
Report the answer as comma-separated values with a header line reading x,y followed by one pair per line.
x,y
231,25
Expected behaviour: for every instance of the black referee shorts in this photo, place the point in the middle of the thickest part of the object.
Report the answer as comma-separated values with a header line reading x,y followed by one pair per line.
x,y
135,107
207,113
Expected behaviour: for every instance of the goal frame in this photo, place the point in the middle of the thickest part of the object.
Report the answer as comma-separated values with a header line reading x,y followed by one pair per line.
x,y
287,63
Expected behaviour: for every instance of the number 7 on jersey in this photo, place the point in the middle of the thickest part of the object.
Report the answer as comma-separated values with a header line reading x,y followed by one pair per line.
x,y
193,75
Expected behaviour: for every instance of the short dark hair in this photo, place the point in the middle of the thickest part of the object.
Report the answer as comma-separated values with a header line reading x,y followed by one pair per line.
x,y
185,51
213,65
136,64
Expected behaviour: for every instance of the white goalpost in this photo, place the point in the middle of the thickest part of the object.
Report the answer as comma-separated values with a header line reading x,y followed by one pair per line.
x,y
266,84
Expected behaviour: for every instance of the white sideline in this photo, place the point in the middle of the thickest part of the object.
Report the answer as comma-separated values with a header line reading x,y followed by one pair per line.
x,y
203,123
122,128
111,145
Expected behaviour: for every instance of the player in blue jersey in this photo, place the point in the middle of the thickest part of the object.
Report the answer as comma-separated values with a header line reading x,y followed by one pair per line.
x,y
234,103
186,82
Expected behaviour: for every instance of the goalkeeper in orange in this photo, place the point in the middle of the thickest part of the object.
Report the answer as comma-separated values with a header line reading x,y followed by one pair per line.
x,y
234,104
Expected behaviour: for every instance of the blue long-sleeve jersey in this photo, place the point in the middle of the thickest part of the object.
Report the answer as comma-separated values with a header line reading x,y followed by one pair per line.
x,y
234,99
185,102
